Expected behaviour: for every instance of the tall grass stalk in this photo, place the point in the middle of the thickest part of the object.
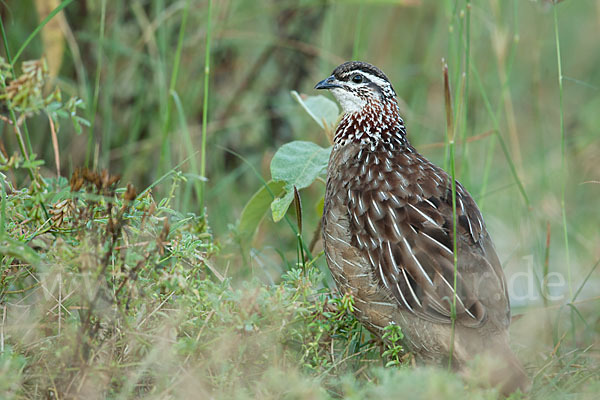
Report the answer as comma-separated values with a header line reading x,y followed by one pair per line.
x,y
509,160
563,155
504,76
463,136
165,148
2,209
507,102
90,142
187,140
451,133
358,30
205,107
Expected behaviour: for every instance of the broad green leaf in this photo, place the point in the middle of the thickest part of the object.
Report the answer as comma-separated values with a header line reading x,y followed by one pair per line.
x,y
324,111
256,207
297,164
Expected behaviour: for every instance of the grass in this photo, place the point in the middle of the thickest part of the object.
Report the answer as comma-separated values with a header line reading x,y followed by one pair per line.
x,y
107,291
90,139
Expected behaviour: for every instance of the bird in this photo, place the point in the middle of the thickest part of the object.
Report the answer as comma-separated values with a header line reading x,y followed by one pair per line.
x,y
389,237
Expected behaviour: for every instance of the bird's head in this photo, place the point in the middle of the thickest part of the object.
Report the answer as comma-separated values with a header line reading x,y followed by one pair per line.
x,y
356,84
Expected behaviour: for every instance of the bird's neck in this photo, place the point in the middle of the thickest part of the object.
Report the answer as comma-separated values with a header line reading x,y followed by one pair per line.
x,y
376,123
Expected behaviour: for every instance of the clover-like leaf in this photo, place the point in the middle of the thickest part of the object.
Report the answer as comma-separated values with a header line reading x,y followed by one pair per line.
x,y
298,164
324,111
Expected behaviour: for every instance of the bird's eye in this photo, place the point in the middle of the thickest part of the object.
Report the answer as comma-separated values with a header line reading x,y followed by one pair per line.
x,y
357,78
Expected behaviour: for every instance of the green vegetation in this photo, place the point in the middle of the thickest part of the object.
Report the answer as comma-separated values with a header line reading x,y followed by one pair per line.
x,y
134,267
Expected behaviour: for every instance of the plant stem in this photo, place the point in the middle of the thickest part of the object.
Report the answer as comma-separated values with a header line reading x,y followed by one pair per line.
x,y
563,158
464,157
38,28
90,142
165,148
450,134
357,31
205,108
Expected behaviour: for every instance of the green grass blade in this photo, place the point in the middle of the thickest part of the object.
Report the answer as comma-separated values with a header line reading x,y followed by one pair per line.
x,y
90,140
2,209
189,145
165,148
358,31
574,298
205,104
505,150
563,159
38,28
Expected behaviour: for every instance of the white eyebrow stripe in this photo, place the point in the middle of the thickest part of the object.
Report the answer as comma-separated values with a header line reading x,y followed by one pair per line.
x,y
375,79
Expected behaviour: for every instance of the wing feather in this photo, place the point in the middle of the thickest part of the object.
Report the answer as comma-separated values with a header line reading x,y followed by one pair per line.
x,y
401,220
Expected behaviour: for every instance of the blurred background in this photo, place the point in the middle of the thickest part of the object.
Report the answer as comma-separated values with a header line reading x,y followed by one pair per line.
x,y
145,100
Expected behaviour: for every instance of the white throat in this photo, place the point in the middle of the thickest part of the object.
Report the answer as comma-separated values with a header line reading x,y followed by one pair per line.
x,y
350,102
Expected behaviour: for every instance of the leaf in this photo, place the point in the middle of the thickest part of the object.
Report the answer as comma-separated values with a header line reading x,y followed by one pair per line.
x,y
298,164
324,111
320,206
298,203
256,207
14,248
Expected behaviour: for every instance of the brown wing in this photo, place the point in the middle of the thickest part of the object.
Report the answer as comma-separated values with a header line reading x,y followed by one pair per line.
x,y
400,211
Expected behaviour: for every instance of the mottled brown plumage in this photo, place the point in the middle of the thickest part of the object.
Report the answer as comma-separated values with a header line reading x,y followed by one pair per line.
x,y
388,237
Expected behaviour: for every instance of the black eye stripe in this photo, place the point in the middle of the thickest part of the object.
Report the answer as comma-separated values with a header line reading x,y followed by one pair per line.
x,y
350,77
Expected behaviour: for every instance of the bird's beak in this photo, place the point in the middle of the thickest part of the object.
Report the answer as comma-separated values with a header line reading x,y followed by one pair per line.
x,y
328,83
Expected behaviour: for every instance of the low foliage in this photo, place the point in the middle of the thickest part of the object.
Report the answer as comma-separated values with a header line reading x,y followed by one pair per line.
x,y
114,289
111,292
